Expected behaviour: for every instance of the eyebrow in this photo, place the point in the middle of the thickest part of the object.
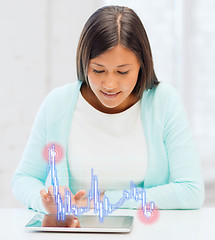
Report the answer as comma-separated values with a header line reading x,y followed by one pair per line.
x,y
117,66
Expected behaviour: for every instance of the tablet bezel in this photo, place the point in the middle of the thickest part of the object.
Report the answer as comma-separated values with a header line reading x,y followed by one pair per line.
x,y
125,229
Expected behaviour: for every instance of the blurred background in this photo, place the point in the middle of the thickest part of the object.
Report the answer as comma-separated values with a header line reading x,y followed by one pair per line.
x,y
38,40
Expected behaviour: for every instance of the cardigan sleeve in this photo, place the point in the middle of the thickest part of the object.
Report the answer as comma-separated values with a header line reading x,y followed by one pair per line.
x,y
31,173
51,125
185,189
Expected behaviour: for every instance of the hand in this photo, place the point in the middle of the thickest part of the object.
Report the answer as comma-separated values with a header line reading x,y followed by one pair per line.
x,y
84,201
48,200
51,221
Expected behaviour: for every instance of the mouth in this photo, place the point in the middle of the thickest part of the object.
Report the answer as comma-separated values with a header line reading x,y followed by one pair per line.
x,y
110,95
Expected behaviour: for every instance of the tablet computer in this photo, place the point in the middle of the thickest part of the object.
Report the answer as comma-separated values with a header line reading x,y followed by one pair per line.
x,y
88,223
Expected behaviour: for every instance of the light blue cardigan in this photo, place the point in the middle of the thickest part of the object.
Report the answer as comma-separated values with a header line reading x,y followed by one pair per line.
x,y
173,179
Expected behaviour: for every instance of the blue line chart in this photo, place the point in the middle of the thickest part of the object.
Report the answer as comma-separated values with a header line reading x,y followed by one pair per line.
x,y
102,208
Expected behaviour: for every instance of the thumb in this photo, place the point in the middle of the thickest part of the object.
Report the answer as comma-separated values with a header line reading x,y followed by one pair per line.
x,y
43,194
80,195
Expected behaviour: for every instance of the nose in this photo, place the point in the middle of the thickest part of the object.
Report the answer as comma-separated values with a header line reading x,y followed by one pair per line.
x,y
110,83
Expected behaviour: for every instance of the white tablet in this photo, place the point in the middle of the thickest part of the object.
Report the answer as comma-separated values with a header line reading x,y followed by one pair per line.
x,y
88,223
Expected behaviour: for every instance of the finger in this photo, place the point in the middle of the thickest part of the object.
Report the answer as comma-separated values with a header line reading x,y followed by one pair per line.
x,y
75,223
72,199
44,194
68,189
62,192
80,195
50,190
51,196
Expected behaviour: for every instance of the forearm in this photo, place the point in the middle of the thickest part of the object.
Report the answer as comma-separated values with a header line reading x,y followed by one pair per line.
x,y
27,190
186,195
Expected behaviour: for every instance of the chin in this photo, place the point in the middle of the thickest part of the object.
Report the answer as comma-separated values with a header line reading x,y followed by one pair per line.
x,y
110,105
113,107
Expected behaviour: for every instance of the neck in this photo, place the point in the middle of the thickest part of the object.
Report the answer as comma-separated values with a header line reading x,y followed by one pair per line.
x,y
91,98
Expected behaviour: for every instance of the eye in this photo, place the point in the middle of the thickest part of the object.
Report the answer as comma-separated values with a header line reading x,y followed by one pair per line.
x,y
123,73
97,71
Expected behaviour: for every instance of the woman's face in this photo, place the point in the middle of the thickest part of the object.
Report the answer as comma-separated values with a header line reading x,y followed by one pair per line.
x,y
112,76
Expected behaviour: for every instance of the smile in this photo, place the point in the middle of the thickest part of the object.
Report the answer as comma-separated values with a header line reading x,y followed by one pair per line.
x,y
110,95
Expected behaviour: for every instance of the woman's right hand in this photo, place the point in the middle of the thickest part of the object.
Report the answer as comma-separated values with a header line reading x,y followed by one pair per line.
x,y
51,221
48,200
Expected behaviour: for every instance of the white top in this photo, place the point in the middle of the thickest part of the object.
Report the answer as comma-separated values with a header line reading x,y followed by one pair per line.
x,y
112,144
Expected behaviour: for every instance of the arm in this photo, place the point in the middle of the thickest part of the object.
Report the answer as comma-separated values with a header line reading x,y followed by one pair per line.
x,y
185,189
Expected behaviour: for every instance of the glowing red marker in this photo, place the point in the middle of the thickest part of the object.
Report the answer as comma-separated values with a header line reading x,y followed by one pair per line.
x,y
59,153
149,217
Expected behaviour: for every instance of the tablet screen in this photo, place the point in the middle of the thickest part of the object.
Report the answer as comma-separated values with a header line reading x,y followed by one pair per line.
x,y
88,223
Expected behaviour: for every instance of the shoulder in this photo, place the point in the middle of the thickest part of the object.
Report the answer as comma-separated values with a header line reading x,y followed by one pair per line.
x,y
161,101
61,100
161,93
64,93
161,96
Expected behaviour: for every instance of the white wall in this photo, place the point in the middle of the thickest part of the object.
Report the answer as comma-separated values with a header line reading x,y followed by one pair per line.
x,y
38,40
23,81
202,64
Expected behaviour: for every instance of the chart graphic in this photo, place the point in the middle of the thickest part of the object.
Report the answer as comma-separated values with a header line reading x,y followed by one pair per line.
x,y
101,207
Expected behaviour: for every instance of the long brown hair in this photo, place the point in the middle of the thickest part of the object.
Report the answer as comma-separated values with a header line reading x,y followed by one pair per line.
x,y
108,27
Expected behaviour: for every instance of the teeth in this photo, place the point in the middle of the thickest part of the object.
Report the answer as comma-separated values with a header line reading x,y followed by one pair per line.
x,y
111,93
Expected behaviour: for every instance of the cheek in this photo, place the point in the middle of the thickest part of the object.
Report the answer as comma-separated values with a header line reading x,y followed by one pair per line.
x,y
92,80
131,81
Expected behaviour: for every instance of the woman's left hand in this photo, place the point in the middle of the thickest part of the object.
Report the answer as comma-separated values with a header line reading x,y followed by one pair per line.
x,y
83,201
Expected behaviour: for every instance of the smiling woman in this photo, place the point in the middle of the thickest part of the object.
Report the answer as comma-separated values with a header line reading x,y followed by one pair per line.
x,y
117,119
114,60
112,77
106,29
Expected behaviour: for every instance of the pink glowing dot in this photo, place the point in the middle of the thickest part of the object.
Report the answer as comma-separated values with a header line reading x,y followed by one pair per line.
x,y
58,153
150,218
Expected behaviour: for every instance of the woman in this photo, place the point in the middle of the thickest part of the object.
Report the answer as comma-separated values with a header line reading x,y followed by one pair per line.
x,y
117,119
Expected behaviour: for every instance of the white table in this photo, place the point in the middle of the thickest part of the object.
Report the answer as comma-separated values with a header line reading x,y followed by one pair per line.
x,y
172,224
